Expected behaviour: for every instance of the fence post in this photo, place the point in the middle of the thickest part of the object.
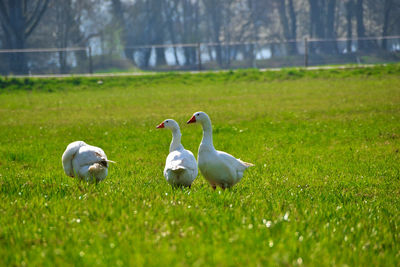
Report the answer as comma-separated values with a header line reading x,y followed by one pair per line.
x,y
305,52
198,56
90,60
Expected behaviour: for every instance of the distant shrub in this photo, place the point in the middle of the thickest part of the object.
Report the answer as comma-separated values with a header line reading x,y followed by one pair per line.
x,y
247,75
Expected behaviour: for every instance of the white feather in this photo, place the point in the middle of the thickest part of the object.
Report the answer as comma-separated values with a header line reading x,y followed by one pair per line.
x,y
180,165
218,168
85,161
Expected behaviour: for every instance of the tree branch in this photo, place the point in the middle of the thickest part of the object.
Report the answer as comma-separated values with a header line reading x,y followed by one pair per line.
x,y
83,40
5,30
90,36
4,17
31,18
24,7
36,20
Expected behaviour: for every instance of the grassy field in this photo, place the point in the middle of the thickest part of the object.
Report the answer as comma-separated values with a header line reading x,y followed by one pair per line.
x,y
325,189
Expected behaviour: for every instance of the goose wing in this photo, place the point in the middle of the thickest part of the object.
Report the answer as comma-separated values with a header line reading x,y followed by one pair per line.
x,y
233,162
174,161
89,155
68,156
189,161
181,159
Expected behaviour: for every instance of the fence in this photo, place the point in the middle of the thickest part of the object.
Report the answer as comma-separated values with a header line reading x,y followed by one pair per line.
x,y
202,56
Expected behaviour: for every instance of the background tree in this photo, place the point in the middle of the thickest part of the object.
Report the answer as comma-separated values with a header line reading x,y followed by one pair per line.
x,y
322,24
135,32
359,14
289,23
349,26
214,11
19,18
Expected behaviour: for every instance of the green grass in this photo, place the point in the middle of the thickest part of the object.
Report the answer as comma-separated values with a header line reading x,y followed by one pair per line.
x,y
325,189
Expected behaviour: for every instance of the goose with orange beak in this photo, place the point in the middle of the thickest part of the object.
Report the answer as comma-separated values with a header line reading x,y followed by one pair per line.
x,y
218,168
180,165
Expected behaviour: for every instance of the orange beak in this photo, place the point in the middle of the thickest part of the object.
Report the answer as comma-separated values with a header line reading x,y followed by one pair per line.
x,y
192,120
161,125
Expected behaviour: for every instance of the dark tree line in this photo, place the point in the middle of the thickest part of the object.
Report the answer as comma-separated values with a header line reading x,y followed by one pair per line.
x,y
19,18
127,28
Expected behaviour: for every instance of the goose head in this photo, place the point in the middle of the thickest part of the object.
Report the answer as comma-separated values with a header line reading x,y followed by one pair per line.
x,y
169,124
200,117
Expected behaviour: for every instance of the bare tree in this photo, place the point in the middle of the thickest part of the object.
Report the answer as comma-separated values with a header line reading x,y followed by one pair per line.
x,y
213,9
289,23
120,23
172,19
65,28
349,26
387,12
19,18
129,29
190,28
359,13
293,29
330,32
322,24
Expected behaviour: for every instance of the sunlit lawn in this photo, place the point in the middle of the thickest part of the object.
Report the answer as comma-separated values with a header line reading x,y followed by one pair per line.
x,y
325,189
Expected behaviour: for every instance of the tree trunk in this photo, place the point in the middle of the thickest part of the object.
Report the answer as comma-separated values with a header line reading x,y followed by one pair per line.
x,y
214,10
119,21
18,26
293,22
289,24
315,23
160,56
284,20
248,50
64,25
386,16
330,27
359,11
158,30
209,39
196,22
18,64
62,59
190,30
172,32
176,57
349,26
147,56
186,53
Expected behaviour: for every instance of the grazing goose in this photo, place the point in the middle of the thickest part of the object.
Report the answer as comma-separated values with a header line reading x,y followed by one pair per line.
x,y
219,168
180,166
85,161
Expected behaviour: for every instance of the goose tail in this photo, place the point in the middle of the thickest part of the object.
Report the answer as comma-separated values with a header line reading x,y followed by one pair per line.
x,y
178,169
247,164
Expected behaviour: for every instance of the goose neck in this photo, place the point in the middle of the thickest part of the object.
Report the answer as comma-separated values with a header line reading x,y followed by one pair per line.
x,y
176,140
207,134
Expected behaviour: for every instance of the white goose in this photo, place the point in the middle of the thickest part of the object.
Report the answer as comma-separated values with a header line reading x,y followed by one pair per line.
x,y
218,167
85,161
180,166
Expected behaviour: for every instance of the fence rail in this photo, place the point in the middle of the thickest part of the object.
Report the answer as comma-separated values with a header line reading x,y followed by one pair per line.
x,y
201,56
43,50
